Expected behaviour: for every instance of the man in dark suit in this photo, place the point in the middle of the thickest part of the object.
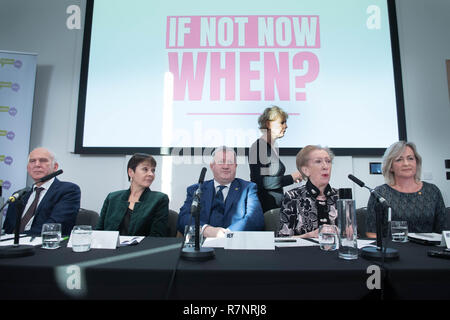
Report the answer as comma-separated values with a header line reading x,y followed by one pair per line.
x,y
52,201
227,203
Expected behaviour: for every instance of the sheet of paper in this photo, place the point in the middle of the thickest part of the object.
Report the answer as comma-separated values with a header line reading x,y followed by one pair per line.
x,y
214,243
250,240
366,243
426,236
283,242
129,240
102,240
34,241
294,242
9,236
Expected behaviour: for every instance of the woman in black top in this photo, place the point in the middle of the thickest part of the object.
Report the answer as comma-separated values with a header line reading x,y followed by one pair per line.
x,y
266,168
419,203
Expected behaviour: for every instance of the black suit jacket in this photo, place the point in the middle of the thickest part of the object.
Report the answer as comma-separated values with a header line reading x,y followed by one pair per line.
x,y
60,204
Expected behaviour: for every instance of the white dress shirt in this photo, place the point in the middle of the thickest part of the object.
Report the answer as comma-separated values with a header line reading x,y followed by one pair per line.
x,y
225,194
224,190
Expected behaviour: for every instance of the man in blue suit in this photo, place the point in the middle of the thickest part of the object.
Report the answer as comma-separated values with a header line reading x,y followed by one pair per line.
x,y
54,201
227,203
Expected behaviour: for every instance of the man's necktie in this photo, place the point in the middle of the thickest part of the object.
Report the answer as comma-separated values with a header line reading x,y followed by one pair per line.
x,y
217,208
31,210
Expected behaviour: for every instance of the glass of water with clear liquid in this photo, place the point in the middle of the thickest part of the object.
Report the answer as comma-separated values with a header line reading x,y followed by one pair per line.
x,y
51,235
399,231
328,237
81,238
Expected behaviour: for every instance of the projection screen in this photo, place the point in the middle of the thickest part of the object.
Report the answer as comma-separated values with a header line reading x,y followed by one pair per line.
x,y
161,76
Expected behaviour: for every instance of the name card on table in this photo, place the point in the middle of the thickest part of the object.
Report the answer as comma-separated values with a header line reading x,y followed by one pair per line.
x,y
102,240
250,240
445,239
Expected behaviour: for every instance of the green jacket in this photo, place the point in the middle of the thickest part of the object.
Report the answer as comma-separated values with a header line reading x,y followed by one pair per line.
x,y
149,217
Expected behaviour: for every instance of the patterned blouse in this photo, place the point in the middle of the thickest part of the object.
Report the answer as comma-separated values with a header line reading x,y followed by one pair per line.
x,y
301,212
424,210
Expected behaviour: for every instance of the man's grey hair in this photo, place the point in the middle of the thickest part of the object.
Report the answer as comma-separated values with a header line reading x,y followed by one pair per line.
x,y
52,155
223,149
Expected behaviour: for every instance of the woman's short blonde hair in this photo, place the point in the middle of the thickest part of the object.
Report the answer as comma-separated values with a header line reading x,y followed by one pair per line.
x,y
270,114
393,152
302,157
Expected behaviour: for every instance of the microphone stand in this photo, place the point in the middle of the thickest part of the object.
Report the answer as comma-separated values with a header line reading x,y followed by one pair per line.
x,y
197,253
16,250
380,252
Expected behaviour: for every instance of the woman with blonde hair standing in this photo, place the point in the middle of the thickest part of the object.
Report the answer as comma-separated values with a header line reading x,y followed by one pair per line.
x,y
266,168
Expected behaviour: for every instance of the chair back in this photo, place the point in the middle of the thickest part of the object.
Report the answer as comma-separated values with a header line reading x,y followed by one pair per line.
x,y
172,224
272,220
361,214
87,217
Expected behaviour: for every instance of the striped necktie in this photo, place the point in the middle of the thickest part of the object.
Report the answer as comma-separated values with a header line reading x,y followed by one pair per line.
x,y
31,210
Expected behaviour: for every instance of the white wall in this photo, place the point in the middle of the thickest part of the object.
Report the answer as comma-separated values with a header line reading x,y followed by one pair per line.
x,y
40,26
424,46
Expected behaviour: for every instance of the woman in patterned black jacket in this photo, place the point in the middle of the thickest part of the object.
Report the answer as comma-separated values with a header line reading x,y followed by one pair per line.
x,y
305,208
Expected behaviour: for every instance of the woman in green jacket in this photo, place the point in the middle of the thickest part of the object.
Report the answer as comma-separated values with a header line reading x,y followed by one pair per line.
x,y
137,211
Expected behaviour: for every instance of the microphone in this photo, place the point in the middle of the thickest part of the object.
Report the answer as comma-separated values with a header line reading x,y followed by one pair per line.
x,y
18,194
197,253
372,191
196,201
49,176
380,252
356,180
201,179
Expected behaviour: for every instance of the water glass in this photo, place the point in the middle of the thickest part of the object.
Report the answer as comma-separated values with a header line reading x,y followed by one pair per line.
x,y
328,237
399,231
189,231
51,235
348,234
81,238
